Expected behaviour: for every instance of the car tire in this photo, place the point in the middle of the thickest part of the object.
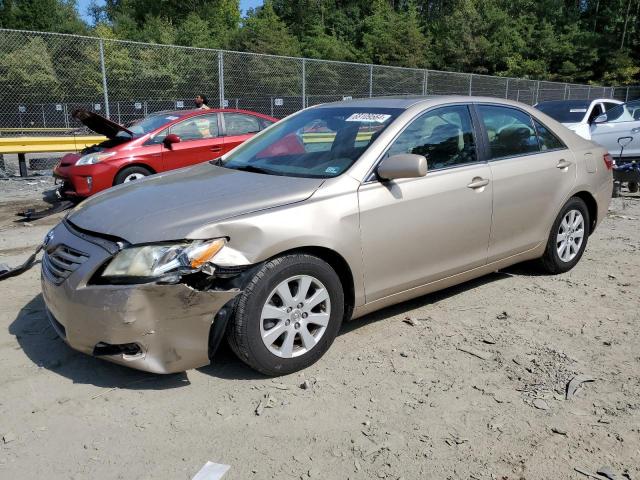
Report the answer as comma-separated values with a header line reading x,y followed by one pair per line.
x,y
633,187
131,173
290,340
564,245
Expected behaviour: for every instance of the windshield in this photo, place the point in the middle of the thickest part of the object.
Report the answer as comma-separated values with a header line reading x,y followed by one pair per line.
x,y
148,124
317,143
565,112
627,112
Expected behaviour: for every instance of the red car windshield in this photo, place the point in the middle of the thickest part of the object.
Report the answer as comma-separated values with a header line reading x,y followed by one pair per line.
x,y
148,124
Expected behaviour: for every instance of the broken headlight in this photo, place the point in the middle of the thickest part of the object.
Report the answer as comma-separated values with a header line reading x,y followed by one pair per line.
x,y
157,260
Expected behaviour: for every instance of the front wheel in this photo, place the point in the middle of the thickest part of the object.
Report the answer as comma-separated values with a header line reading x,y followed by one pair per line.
x,y
288,315
568,237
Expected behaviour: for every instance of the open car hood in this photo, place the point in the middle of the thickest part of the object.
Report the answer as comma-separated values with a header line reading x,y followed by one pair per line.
x,y
99,124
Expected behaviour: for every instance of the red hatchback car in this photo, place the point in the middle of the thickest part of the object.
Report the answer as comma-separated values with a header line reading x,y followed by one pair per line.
x,y
163,141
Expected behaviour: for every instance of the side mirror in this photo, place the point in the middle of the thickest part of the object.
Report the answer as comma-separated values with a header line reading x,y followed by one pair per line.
x,y
600,118
170,139
404,165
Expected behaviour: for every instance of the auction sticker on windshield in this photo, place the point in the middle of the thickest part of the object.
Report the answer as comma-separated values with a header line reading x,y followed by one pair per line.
x,y
368,117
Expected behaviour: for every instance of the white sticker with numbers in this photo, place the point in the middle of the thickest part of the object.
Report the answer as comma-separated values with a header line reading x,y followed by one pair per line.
x,y
369,117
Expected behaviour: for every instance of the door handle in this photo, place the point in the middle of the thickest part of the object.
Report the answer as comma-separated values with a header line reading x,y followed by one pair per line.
x,y
563,164
635,130
478,183
216,149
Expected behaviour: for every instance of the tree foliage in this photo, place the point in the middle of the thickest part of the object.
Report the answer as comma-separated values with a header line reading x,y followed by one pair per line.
x,y
595,41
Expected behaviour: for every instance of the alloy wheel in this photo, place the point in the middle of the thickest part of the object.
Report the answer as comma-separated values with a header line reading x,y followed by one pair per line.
x,y
570,235
295,316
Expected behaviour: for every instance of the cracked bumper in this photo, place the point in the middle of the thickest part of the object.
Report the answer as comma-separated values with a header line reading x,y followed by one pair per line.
x,y
169,323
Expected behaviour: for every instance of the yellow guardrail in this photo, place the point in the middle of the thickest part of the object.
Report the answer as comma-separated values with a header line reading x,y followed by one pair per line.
x,y
44,144
22,145
34,129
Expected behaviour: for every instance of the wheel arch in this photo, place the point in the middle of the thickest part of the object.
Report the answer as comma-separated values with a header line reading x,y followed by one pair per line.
x,y
339,265
592,207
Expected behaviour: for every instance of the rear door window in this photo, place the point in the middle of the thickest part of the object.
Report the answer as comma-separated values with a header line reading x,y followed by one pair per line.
x,y
240,124
510,131
627,112
548,141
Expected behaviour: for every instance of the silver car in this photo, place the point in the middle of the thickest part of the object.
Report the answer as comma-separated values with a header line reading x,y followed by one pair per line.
x,y
334,212
620,122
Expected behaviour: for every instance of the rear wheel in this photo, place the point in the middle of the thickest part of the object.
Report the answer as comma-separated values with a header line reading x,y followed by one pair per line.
x,y
130,174
568,237
288,315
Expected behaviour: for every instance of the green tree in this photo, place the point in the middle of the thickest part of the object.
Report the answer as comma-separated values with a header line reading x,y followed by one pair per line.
x,y
393,38
264,32
27,72
42,15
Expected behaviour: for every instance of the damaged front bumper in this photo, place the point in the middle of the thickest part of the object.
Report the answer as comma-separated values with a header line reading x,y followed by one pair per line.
x,y
153,327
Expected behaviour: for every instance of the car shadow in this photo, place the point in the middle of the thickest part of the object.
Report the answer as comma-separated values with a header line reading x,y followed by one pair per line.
x,y
41,344
423,301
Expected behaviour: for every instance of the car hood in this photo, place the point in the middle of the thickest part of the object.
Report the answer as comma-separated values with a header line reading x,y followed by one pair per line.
x,y
99,124
572,126
169,206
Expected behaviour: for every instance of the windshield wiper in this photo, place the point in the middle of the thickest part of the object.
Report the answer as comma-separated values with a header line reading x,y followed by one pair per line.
x,y
254,169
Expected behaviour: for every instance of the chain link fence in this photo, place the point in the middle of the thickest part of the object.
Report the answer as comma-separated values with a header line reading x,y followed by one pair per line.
x,y
45,76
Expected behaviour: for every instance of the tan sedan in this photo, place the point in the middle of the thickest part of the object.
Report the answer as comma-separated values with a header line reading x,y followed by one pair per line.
x,y
332,213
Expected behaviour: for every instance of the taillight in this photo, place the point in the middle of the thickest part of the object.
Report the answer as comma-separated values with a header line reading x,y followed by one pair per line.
x,y
608,161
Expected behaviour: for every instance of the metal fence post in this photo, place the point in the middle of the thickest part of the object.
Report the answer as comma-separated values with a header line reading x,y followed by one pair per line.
x,y
537,91
626,98
221,78
589,93
425,81
470,84
566,87
304,81
370,81
506,90
104,78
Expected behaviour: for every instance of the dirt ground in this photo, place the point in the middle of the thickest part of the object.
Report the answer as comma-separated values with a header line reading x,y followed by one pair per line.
x,y
467,383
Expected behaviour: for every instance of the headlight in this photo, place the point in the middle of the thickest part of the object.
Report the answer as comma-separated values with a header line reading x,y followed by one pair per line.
x,y
157,260
94,158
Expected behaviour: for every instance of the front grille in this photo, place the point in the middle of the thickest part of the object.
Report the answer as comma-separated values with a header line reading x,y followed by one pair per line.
x,y
61,262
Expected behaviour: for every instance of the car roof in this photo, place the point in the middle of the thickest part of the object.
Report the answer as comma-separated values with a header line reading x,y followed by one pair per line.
x,y
197,111
405,101
582,101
